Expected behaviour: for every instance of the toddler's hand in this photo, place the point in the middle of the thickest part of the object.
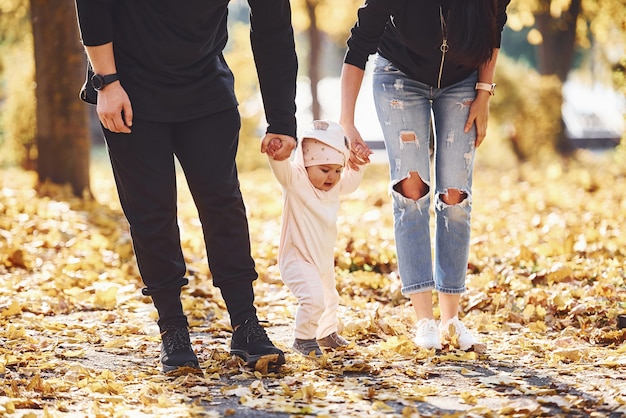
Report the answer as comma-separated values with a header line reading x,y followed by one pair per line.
x,y
277,146
274,146
362,152
359,151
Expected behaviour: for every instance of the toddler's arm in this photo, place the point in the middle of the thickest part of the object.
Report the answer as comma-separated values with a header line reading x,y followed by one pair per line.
x,y
351,178
281,167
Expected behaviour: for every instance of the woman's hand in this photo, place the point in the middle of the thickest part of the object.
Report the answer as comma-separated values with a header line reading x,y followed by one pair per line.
x,y
359,151
479,115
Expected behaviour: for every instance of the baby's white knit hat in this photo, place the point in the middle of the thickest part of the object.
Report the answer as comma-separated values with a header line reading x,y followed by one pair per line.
x,y
324,142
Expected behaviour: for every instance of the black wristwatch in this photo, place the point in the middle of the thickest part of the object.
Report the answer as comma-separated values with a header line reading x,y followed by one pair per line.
x,y
101,81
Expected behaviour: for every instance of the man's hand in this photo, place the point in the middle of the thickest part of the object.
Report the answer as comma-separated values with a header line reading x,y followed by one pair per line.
x,y
270,145
114,109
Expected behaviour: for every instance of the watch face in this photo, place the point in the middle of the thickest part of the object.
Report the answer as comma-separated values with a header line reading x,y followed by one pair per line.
x,y
97,81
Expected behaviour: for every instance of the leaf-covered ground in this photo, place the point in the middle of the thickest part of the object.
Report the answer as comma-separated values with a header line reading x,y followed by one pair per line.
x,y
546,284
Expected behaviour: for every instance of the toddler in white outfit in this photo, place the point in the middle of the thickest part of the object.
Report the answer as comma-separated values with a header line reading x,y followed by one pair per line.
x,y
312,185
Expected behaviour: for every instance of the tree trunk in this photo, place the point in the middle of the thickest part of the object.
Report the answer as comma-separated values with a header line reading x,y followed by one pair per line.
x,y
556,53
63,141
315,53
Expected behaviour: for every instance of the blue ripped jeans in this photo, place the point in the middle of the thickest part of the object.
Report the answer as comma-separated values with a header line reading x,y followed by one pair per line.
x,y
407,110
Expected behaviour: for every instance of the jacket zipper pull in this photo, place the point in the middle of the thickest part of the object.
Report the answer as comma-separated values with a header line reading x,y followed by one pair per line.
x,y
444,44
443,48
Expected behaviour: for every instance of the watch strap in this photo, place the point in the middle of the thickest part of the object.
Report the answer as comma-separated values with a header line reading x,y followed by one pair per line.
x,y
490,87
101,81
109,78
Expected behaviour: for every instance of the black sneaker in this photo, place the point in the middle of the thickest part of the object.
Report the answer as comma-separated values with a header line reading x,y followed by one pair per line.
x,y
176,351
250,342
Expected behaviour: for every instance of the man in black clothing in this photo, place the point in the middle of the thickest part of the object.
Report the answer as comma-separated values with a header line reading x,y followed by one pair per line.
x,y
163,89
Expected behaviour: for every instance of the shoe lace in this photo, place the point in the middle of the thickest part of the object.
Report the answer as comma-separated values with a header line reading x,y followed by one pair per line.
x,y
175,338
425,328
253,331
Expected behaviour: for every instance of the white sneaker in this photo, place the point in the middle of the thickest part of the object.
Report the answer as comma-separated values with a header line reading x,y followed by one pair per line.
x,y
455,333
427,335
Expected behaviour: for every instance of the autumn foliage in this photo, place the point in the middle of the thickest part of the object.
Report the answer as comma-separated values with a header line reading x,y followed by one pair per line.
x,y
546,283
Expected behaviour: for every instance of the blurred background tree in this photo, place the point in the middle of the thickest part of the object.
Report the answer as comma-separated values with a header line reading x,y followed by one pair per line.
x,y
325,27
619,80
17,89
321,30
43,125
62,127
561,32
560,28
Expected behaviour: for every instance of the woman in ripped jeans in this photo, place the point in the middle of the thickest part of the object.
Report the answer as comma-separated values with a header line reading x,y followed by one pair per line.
x,y
433,77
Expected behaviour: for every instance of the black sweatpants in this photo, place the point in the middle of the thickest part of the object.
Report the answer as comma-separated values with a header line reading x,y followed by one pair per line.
x,y
144,170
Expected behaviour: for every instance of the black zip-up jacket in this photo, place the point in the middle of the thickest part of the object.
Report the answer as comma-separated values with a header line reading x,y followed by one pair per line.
x,y
408,33
169,55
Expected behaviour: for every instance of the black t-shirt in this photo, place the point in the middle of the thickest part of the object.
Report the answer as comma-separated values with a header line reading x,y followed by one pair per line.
x,y
169,57
408,33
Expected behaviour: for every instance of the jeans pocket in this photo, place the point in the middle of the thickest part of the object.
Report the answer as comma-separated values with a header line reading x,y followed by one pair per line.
x,y
384,66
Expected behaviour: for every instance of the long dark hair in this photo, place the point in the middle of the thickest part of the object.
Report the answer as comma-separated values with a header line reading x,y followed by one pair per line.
x,y
472,31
